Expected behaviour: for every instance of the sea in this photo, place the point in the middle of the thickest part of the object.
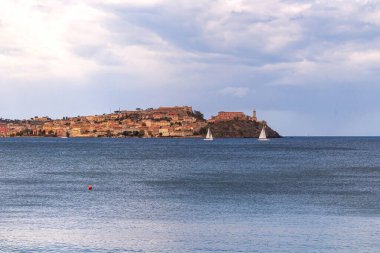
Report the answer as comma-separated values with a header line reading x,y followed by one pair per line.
x,y
293,194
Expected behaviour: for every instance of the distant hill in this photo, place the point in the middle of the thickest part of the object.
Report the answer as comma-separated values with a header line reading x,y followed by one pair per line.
x,y
177,121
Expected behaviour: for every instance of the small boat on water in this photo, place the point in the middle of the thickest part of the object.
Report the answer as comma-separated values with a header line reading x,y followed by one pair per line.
x,y
263,135
208,136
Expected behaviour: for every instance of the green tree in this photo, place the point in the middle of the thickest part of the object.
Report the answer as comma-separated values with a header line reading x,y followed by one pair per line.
x,y
198,115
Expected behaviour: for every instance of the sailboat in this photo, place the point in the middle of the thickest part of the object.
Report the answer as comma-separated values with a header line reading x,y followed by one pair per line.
x,y
263,136
209,136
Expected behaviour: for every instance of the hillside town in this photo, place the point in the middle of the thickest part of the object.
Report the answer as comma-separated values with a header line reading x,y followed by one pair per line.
x,y
178,121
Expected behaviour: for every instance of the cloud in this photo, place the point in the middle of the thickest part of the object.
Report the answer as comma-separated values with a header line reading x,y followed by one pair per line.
x,y
235,91
183,51
61,39
35,39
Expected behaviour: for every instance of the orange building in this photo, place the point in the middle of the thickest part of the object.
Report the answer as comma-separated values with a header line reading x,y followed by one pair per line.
x,y
230,115
3,129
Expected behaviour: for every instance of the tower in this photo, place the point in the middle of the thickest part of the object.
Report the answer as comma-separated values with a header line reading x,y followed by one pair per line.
x,y
254,118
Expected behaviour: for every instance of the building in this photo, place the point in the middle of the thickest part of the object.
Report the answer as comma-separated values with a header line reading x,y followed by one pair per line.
x,y
175,121
175,108
43,119
3,129
229,116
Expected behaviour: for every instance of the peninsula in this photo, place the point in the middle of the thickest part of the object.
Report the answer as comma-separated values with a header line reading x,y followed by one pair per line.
x,y
178,121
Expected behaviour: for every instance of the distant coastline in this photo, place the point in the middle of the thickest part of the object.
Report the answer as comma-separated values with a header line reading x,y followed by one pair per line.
x,y
169,122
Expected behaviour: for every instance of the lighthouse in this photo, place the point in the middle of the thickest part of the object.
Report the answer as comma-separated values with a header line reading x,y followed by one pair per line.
x,y
254,118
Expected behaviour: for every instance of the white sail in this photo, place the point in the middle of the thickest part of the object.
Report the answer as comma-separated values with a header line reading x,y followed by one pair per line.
x,y
209,135
263,135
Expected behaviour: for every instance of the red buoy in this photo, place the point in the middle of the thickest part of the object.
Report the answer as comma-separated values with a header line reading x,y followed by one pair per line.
x,y
89,187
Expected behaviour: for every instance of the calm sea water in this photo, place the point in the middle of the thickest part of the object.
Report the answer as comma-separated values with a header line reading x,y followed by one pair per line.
x,y
188,195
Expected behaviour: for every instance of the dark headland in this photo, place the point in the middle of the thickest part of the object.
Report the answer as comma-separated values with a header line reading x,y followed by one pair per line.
x,y
178,121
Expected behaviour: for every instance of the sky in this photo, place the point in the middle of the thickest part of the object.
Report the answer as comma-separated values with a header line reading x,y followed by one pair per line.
x,y
307,67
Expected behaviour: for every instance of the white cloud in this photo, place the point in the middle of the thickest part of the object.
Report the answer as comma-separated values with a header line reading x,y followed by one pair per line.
x,y
46,39
235,91
266,26
140,3
35,33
